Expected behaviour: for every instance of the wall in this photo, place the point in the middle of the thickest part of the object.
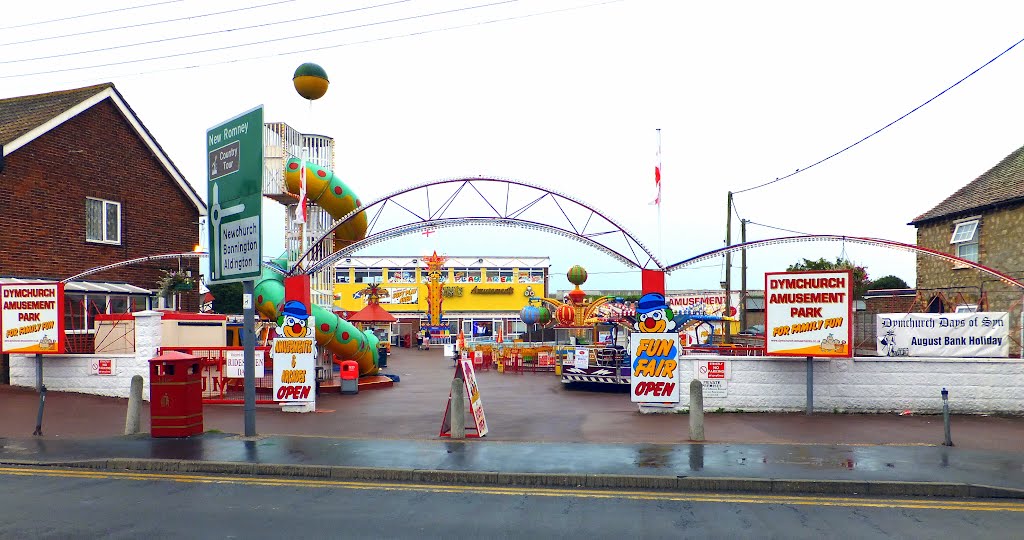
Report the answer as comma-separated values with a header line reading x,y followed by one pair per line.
x,y
73,372
95,154
998,248
868,384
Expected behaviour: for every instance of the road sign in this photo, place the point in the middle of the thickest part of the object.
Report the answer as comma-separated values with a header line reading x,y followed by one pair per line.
x,y
234,193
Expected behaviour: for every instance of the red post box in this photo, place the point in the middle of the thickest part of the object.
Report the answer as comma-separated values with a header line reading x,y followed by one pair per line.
x,y
175,395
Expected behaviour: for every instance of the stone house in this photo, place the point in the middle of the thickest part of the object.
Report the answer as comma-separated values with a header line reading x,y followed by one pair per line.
x,y
982,222
85,184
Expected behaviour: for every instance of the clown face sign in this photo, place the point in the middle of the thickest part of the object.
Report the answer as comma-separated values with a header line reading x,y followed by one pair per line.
x,y
653,315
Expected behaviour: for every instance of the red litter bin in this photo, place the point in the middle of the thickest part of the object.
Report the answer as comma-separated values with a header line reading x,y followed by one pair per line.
x,y
175,395
349,377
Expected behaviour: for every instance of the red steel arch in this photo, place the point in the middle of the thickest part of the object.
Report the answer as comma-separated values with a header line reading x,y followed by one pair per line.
x,y
878,242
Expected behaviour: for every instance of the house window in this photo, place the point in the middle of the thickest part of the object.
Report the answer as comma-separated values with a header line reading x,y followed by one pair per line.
x,y
531,275
368,276
965,238
401,275
498,275
102,221
467,275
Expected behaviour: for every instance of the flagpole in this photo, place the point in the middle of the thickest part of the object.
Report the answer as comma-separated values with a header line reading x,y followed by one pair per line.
x,y
658,180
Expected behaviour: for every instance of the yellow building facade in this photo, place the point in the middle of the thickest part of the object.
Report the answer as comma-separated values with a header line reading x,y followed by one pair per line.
x,y
475,289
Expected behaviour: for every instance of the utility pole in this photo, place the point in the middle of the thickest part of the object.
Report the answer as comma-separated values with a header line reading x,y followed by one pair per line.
x,y
743,276
726,327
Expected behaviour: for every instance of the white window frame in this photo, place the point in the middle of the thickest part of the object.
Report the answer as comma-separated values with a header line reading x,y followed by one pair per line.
x,y
103,221
965,233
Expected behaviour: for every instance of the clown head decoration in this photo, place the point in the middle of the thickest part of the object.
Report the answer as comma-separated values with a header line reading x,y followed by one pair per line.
x,y
294,320
653,314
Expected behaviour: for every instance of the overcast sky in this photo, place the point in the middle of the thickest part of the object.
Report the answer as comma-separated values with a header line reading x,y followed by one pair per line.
x,y
743,91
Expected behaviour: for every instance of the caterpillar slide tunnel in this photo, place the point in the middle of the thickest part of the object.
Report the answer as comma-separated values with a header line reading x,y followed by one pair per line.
x,y
333,333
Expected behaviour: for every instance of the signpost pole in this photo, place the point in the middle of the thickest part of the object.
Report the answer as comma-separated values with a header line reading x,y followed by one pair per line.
x,y
234,169
39,372
249,358
810,385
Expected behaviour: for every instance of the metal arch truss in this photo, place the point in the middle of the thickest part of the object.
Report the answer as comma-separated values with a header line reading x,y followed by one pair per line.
x,y
497,202
150,258
877,242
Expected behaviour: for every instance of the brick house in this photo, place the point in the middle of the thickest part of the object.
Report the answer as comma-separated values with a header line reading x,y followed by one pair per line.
x,y
85,184
982,222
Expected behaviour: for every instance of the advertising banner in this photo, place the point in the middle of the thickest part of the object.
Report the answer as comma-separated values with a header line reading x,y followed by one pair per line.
x,y
32,316
294,355
808,313
961,335
704,303
401,295
476,406
655,374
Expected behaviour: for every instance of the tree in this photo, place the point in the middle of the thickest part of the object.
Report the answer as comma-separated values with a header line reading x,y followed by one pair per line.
x,y
227,298
860,273
888,282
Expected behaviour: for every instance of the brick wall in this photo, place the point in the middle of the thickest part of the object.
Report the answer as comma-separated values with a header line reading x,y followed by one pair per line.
x,y
976,385
95,154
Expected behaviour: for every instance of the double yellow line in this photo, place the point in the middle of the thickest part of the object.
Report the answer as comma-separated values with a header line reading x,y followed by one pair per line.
x,y
988,505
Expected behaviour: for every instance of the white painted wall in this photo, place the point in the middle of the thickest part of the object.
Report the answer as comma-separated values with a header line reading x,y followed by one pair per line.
x,y
867,384
73,372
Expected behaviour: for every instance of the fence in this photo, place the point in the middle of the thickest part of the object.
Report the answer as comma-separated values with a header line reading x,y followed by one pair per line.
x,y
218,388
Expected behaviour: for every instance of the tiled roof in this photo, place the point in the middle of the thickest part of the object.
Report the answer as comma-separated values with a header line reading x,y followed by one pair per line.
x,y
19,115
1002,184
25,118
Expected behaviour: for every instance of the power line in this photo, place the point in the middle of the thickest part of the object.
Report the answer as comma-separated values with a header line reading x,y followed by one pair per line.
x,y
88,15
883,128
321,48
164,40
262,42
778,228
138,25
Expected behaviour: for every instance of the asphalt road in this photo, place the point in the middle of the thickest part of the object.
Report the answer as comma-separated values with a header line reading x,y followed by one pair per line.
x,y
49,503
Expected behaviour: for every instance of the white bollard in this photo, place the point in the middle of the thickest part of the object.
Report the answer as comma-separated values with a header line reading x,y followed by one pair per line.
x,y
131,420
696,410
458,411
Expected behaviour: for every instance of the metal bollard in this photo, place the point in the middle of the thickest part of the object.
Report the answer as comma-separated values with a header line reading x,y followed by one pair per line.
x,y
39,416
458,411
945,417
696,410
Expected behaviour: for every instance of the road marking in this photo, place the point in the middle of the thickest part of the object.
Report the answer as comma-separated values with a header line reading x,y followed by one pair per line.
x,y
802,500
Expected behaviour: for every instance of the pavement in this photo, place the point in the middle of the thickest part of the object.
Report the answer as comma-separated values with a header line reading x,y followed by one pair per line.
x,y
541,435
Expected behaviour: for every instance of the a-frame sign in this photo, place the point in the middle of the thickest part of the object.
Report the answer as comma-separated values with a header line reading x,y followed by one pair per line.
x,y
464,370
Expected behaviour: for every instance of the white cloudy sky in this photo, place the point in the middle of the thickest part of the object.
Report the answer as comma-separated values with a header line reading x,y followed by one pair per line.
x,y
744,92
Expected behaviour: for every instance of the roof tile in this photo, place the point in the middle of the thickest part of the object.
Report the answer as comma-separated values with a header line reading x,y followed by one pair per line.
x,y
1002,184
20,115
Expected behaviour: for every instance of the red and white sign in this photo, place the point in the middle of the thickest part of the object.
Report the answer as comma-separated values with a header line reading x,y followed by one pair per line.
x,y
808,313
32,318
234,365
103,366
476,406
295,367
711,370
704,303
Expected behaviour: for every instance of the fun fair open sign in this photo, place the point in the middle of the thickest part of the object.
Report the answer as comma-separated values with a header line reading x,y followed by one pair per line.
x,y
655,361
